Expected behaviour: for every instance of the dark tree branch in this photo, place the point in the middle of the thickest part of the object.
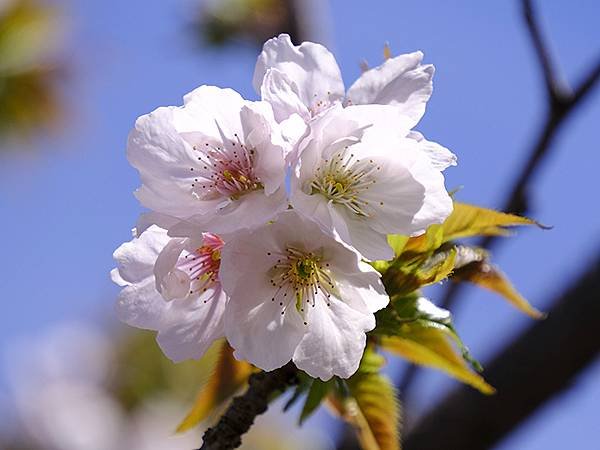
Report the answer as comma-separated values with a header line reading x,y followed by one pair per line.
x,y
239,417
562,101
540,363
553,86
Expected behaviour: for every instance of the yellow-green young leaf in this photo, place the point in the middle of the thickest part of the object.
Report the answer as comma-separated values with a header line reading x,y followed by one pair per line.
x,y
426,242
403,279
397,242
230,375
469,220
488,276
372,409
431,347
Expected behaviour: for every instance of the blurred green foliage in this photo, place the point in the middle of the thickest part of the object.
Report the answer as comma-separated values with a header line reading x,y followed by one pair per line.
x,y
220,22
28,77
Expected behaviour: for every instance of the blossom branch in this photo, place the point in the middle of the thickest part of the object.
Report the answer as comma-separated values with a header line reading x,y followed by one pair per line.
x,y
524,376
562,102
239,417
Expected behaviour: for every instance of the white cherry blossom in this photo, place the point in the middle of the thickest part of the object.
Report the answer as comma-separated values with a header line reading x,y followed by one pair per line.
x,y
216,162
171,285
297,293
361,176
306,80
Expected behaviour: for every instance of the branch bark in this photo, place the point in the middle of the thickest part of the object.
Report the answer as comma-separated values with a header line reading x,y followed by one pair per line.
x,y
239,417
540,363
562,102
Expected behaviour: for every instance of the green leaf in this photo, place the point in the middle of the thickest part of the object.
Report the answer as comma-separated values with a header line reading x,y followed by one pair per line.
x,y
469,220
397,242
488,276
317,393
370,405
429,241
406,276
431,347
414,328
229,377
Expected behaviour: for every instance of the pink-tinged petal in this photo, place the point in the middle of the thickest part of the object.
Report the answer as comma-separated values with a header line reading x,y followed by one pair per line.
x,y
202,157
193,318
401,81
310,67
335,341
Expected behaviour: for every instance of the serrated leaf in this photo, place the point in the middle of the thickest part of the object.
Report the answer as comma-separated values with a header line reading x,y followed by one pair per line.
x,y
377,412
431,347
370,406
229,376
317,392
469,220
488,276
419,331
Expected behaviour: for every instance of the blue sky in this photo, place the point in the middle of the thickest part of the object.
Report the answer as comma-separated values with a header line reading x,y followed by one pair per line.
x,y
68,204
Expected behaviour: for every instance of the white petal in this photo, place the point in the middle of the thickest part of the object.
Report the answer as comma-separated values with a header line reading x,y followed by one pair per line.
x,y
311,67
293,129
262,133
440,157
252,210
401,81
282,93
147,219
170,282
135,259
437,204
141,305
255,327
193,326
409,194
163,159
335,341
359,234
211,105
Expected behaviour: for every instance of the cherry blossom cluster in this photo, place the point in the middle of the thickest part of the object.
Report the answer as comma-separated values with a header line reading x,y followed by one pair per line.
x,y
263,215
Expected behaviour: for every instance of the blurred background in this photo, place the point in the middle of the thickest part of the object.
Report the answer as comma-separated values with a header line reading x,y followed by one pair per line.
x,y
74,76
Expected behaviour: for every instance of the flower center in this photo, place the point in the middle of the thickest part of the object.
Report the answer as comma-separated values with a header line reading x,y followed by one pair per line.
x,y
202,265
344,179
225,170
300,278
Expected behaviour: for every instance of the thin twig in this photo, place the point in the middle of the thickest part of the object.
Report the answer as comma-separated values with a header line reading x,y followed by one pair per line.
x,y
562,102
239,417
540,363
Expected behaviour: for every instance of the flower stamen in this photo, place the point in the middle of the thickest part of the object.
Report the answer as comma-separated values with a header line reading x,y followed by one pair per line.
x,y
303,275
343,179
